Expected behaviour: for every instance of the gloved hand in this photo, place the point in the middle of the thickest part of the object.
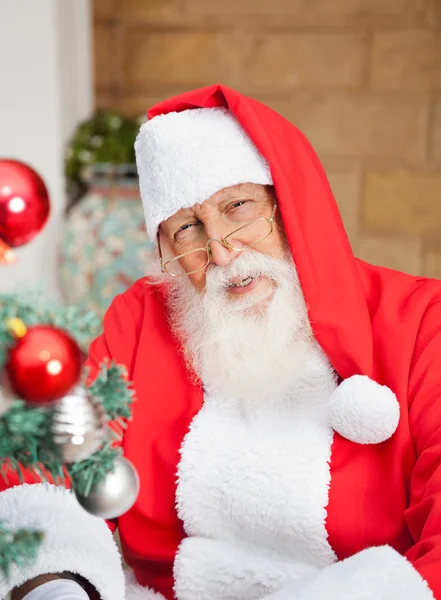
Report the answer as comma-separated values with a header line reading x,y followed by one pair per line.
x,y
58,589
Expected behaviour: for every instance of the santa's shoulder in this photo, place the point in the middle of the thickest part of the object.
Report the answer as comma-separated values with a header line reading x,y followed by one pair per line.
x,y
392,292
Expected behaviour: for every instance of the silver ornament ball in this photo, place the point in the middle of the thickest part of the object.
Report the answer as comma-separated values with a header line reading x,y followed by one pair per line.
x,y
115,494
78,425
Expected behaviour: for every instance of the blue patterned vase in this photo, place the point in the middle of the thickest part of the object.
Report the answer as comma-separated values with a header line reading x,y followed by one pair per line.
x,y
105,243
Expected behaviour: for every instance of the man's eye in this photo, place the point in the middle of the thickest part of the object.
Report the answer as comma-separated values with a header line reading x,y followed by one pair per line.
x,y
240,203
185,228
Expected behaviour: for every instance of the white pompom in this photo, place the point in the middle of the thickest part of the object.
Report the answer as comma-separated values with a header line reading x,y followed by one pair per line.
x,y
364,411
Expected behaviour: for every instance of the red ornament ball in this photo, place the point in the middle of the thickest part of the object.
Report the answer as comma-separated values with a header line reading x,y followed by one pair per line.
x,y
44,364
24,203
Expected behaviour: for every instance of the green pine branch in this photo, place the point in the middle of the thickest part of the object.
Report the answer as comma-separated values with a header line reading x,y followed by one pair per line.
x,y
32,310
18,548
90,472
114,392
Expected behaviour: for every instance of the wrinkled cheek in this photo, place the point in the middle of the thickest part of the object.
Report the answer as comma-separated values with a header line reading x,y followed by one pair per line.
x,y
198,280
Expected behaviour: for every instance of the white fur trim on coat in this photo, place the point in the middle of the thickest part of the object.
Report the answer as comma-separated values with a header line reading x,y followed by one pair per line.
x,y
184,158
74,540
252,490
216,570
134,591
364,411
378,573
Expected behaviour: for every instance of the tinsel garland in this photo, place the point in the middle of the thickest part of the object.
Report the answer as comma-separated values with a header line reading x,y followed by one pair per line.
x,y
26,444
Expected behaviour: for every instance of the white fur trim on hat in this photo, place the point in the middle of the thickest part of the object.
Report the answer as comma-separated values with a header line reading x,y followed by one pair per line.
x,y
74,540
184,158
364,411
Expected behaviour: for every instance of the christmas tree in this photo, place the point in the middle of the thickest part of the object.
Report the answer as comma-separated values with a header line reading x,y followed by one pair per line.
x,y
38,442
53,426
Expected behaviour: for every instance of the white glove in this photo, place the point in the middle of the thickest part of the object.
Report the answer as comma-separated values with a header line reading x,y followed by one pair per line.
x,y
58,589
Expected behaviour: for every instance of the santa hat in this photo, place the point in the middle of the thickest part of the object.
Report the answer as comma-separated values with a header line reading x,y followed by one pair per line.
x,y
185,153
183,158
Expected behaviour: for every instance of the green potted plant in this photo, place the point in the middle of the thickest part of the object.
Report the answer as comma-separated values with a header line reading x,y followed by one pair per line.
x,y
101,147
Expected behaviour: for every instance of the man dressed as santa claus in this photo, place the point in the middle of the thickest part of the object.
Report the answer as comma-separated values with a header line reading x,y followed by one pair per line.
x,y
287,427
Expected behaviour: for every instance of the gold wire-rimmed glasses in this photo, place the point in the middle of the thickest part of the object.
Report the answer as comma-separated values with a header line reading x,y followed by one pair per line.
x,y
251,234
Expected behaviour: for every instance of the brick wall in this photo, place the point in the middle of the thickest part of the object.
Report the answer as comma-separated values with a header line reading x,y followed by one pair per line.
x,y
362,79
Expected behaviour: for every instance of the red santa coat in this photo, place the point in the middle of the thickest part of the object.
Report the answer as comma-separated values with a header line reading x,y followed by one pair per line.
x,y
368,320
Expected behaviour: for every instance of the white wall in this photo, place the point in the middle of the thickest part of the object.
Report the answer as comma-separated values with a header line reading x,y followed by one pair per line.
x,y
45,89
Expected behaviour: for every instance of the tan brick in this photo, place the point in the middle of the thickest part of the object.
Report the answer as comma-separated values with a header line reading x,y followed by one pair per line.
x,y
406,60
393,253
289,60
436,134
360,125
103,99
402,203
310,12
346,188
138,104
131,105
150,11
432,262
104,55
103,9
435,13
185,59
245,60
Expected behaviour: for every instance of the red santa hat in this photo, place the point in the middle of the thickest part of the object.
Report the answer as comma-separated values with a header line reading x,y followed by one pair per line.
x,y
185,157
187,154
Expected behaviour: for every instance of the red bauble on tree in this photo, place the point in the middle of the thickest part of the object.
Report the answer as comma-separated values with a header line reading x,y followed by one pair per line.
x,y
24,203
44,364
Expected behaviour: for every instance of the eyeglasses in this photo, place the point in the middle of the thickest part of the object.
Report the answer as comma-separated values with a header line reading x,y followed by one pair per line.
x,y
190,262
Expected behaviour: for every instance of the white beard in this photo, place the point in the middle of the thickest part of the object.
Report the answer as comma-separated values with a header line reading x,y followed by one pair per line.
x,y
243,348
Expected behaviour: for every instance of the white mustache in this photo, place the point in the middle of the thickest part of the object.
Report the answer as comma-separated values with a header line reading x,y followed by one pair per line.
x,y
248,263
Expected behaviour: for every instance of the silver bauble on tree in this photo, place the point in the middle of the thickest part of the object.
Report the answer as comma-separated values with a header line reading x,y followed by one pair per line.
x,y
78,425
115,494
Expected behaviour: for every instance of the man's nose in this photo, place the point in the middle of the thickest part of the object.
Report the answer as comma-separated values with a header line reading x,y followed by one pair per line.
x,y
220,254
